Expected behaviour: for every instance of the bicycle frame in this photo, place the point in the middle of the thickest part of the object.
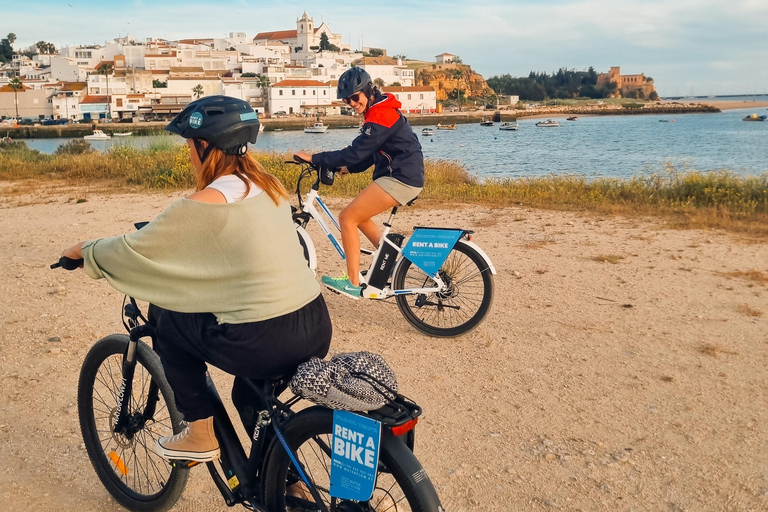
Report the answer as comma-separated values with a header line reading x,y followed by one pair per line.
x,y
239,470
308,210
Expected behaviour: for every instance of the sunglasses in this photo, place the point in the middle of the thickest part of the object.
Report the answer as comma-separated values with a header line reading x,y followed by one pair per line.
x,y
355,97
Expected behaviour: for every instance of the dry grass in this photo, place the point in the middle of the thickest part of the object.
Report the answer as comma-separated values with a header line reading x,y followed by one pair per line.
x,y
714,350
608,258
680,199
755,276
750,311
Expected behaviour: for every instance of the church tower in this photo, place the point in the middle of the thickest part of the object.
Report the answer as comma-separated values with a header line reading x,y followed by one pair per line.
x,y
305,32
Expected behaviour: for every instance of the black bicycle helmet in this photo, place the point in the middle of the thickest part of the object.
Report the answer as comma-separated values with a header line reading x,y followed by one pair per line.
x,y
351,81
226,123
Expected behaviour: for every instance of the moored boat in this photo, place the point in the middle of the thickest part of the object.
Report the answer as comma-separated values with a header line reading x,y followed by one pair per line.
x,y
509,125
316,127
427,132
755,117
487,122
122,134
548,123
572,118
446,126
97,135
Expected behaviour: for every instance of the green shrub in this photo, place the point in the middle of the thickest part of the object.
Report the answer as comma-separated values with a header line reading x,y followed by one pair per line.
x,y
74,147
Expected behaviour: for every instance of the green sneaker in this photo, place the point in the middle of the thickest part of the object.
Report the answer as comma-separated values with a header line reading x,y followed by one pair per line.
x,y
342,285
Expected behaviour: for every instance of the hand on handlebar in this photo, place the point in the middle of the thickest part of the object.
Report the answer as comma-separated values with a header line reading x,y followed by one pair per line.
x,y
71,258
301,156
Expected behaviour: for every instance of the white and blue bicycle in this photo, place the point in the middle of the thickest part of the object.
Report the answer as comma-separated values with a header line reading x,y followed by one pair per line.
x,y
441,280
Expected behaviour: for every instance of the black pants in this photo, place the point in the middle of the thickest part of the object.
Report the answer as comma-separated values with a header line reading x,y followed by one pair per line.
x,y
258,350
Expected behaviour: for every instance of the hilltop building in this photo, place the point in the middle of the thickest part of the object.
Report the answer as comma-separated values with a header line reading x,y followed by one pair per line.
x,y
303,40
626,84
444,58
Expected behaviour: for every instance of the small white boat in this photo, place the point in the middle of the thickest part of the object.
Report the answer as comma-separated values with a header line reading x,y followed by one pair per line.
x,y
122,134
97,135
317,127
509,125
427,132
548,123
487,122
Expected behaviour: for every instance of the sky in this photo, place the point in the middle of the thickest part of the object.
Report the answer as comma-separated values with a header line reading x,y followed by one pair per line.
x,y
689,47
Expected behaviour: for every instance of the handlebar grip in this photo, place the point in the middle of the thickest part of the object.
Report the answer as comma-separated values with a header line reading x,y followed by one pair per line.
x,y
68,263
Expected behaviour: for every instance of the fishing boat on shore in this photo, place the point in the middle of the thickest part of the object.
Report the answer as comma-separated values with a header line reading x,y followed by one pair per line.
x,y
97,135
427,132
487,122
316,127
548,123
122,134
755,117
446,126
509,126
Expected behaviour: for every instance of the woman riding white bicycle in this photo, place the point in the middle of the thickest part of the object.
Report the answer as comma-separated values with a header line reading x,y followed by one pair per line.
x,y
223,270
387,142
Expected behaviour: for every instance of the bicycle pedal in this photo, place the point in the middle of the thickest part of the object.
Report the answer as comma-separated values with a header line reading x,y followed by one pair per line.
x,y
178,463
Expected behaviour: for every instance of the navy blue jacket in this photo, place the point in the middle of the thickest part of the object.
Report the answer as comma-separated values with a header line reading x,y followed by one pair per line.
x,y
386,141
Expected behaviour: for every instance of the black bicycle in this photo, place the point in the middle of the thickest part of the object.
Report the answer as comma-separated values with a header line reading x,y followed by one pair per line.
x,y
125,404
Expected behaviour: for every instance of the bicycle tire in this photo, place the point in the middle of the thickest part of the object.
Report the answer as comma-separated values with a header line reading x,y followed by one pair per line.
x,y
128,467
401,483
469,287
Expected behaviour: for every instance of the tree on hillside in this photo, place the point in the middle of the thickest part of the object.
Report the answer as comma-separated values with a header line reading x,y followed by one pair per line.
x,y
376,52
45,48
107,69
423,76
6,48
324,42
457,60
17,86
197,90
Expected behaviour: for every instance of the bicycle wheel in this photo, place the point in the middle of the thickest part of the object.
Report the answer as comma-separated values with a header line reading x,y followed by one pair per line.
x,y
126,462
460,307
402,485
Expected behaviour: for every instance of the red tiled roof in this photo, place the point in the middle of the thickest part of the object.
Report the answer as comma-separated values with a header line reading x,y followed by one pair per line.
x,y
95,99
110,62
277,34
301,83
7,88
74,86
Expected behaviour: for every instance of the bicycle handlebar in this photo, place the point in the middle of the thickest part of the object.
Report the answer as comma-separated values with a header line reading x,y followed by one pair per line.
x,y
68,263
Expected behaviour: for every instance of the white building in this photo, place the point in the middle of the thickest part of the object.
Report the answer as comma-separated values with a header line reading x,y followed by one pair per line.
x,y
444,58
388,69
304,40
302,96
421,99
66,100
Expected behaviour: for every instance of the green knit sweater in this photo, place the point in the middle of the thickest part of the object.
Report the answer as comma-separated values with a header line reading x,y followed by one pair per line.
x,y
240,261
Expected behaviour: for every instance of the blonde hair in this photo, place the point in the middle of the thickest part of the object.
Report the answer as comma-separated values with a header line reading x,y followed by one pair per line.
x,y
245,167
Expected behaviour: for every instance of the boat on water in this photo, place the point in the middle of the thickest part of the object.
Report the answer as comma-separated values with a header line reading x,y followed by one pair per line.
x,y
509,126
427,132
97,135
122,134
572,118
487,122
446,126
548,123
316,127
755,117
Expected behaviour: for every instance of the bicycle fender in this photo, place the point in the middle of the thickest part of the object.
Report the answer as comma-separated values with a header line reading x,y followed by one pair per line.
x,y
308,246
404,457
480,252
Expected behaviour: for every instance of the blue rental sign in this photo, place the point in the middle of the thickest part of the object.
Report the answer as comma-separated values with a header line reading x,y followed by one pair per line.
x,y
355,456
428,248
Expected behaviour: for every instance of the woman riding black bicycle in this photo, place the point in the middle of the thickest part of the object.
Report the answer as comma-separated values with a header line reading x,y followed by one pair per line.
x,y
387,142
224,272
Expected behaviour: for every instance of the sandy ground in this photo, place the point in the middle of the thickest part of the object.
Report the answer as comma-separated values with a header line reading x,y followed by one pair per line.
x,y
728,104
622,366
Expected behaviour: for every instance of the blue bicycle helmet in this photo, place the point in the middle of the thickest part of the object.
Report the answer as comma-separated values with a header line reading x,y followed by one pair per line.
x,y
226,123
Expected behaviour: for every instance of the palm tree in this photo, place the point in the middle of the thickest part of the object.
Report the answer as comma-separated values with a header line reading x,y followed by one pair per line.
x,y
264,86
107,69
15,84
197,91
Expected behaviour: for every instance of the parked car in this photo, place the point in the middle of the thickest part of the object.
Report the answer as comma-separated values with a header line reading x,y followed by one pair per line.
x,y
280,113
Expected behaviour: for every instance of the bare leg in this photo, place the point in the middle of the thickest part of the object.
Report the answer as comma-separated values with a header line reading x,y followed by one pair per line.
x,y
371,201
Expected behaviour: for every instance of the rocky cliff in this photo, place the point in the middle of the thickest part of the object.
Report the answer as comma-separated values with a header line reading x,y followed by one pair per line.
x,y
446,78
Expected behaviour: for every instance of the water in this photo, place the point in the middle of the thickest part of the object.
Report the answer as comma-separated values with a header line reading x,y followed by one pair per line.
x,y
613,146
